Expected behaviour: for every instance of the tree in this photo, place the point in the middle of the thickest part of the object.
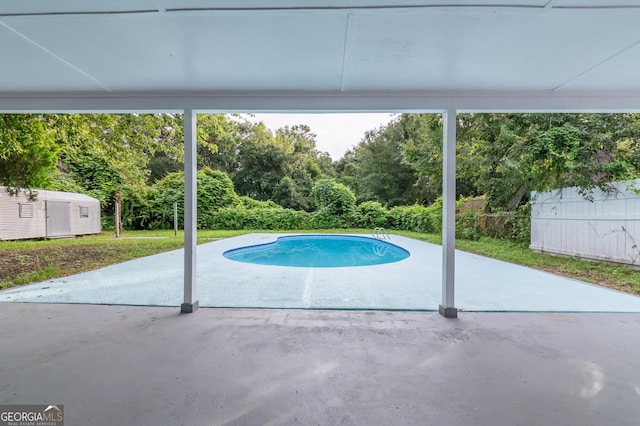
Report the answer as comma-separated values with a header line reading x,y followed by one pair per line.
x,y
281,167
108,153
502,156
517,153
376,169
28,152
305,166
262,165
422,151
168,155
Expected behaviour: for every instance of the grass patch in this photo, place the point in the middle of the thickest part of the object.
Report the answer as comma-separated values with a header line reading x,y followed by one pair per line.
x,y
618,277
23,262
44,274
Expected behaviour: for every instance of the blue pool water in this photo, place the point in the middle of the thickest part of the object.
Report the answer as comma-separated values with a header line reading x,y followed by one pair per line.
x,y
320,251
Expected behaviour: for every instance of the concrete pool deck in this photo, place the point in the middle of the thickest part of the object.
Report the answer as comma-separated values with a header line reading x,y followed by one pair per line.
x,y
482,284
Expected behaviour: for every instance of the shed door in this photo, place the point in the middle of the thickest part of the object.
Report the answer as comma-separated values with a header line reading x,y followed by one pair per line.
x,y
58,218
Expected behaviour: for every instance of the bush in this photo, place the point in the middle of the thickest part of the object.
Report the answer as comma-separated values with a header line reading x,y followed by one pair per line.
x,y
324,219
153,208
240,217
333,197
435,212
215,191
250,203
473,223
276,219
413,218
511,225
229,218
371,214
136,209
469,212
467,225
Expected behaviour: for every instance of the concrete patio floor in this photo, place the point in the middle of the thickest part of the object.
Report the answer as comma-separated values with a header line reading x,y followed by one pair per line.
x,y
482,284
125,365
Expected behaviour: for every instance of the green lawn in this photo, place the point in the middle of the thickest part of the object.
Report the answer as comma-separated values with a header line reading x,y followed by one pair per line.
x,y
23,262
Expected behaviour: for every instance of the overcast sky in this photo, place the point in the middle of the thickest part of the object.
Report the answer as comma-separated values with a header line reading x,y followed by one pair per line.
x,y
336,133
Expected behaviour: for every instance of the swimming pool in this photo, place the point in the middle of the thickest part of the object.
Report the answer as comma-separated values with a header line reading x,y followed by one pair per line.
x,y
320,251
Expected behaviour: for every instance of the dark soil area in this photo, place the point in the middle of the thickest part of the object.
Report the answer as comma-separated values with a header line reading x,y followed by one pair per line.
x,y
68,258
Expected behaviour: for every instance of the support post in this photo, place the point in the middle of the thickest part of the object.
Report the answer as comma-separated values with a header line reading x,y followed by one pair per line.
x,y
190,210
447,308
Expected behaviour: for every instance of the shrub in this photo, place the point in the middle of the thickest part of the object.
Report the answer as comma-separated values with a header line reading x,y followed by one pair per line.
x,y
229,218
473,223
215,190
324,219
153,208
512,225
239,217
413,218
333,197
371,214
136,209
467,225
435,212
250,203
276,219
469,214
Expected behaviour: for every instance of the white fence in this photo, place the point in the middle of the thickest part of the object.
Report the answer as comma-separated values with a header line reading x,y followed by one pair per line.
x,y
606,228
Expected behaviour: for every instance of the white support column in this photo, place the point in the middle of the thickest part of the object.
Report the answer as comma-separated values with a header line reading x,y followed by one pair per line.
x,y
447,308
190,220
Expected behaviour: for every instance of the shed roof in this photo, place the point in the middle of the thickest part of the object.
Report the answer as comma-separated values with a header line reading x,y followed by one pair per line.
x,y
48,195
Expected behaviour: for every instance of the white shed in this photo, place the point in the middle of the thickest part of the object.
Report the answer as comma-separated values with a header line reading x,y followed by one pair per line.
x,y
53,214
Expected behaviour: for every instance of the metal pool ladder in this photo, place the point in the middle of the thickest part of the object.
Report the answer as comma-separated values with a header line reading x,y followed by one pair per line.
x,y
381,233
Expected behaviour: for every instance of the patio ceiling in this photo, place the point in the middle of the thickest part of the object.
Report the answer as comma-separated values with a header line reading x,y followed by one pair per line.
x,y
333,55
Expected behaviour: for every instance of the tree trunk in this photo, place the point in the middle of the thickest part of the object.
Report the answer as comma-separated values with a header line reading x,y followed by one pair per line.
x,y
515,202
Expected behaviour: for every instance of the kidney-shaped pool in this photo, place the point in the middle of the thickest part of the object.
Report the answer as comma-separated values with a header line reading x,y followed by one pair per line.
x,y
320,251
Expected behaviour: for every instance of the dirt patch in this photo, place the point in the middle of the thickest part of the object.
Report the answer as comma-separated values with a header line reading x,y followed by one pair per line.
x,y
68,259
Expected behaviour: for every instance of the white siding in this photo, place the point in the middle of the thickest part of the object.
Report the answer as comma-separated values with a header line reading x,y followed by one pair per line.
x,y
607,228
13,227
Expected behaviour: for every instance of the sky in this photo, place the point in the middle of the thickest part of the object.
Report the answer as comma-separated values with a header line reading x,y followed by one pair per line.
x,y
335,133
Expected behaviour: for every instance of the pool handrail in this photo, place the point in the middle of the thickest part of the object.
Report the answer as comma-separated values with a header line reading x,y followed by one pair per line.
x,y
381,233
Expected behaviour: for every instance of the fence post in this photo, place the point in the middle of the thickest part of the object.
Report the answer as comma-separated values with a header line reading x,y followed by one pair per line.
x,y
175,218
118,214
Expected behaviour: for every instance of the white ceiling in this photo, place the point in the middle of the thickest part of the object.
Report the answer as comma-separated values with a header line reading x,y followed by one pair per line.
x,y
313,55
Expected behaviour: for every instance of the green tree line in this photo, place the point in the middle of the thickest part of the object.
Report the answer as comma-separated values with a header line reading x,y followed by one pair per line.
x,y
246,168
499,156
103,154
